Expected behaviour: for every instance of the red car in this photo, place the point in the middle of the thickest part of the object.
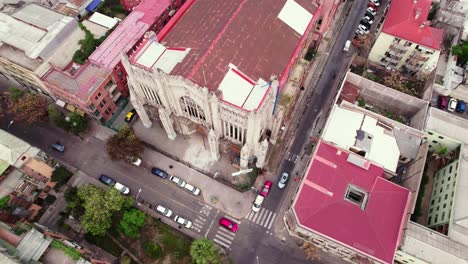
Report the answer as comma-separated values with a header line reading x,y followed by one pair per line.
x,y
266,189
372,5
229,224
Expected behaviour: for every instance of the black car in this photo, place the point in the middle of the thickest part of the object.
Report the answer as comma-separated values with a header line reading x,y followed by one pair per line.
x,y
369,14
160,173
107,180
367,25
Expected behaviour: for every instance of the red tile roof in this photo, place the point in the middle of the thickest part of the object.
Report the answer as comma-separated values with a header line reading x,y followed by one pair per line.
x,y
320,206
242,32
128,32
407,19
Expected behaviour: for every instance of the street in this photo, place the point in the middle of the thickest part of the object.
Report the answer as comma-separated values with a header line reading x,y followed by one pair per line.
x,y
256,241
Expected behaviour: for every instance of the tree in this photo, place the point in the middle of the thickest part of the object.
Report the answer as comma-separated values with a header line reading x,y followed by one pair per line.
x,y
15,93
362,42
311,251
4,201
203,251
29,109
152,250
461,51
124,144
131,222
77,123
61,176
442,155
99,205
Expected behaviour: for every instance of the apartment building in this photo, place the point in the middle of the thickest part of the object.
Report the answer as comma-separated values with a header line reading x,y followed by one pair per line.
x,y
406,41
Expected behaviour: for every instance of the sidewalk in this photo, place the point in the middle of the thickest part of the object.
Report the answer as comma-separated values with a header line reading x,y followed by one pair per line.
x,y
214,193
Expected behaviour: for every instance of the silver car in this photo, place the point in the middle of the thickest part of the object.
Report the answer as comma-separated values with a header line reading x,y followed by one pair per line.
x,y
283,180
181,183
164,211
182,221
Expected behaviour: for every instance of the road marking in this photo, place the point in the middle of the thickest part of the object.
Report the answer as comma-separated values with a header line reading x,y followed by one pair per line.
x,y
260,221
200,220
226,240
227,233
272,220
249,217
255,216
212,221
267,219
221,243
196,228
262,212
235,221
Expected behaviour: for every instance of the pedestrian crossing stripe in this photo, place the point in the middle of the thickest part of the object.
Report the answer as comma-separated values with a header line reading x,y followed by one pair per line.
x,y
221,243
264,217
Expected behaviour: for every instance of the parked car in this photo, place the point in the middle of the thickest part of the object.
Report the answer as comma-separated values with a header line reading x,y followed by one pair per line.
x,y
194,190
461,107
366,21
224,222
160,173
135,161
182,221
359,32
58,147
122,188
373,5
266,189
371,11
181,183
347,45
452,105
258,203
363,29
369,19
130,115
164,211
367,25
442,102
370,14
283,180
375,2
107,180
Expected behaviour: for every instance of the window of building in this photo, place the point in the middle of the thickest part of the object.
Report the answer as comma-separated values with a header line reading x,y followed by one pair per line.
x,y
443,216
91,107
450,169
446,196
452,194
356,196
430,133
432,202
441,137
430,211
192,109
430,219
441,190
434,141
439,199
445,205
442,181
448,179
447,186
437,208
408,44
436,218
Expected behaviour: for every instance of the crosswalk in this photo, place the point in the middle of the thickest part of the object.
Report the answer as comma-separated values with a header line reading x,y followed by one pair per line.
x,y
292,157
200,220
224,237
264,218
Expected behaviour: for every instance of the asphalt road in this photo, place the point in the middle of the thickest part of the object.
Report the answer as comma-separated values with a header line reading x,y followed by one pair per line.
x,y
256,244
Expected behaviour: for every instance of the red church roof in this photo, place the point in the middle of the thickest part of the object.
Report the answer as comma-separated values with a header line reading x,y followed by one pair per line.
x,y
407,19
374,229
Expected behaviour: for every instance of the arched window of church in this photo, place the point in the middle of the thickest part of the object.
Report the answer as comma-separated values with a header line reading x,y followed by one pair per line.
x,y
191,108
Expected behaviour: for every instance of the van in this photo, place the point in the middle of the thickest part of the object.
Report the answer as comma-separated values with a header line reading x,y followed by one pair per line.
x,y
346,46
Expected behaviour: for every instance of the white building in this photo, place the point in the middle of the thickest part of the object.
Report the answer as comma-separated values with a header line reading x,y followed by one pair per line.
x,y
406,41
32,40
220,75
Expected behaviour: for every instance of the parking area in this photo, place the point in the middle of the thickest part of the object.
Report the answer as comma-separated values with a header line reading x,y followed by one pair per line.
x,y
372,18
451,104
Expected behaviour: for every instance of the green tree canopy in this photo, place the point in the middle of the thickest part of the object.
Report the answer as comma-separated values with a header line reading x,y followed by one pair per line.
x,y
4,201
461,51
15,93
29,108
124,144
131,222
77,123
99,206
203,251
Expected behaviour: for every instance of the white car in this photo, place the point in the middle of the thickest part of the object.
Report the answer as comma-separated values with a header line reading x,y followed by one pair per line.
x,y
181,183
136,161
194,190
363,29
258,203
452,105
283,180
371,11
359,32
182,221
164,211
122,188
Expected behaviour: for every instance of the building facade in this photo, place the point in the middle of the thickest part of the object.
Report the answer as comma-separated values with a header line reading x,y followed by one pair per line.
x,y
407,42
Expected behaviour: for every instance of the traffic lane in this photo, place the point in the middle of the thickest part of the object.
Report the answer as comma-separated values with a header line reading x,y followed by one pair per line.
x,y
246,242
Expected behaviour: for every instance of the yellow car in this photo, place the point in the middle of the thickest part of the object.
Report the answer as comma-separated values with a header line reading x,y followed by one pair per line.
x,y
130,115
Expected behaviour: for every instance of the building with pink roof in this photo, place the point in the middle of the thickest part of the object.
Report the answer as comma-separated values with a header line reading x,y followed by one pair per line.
x,y
221,75
406,41
97,86
344,204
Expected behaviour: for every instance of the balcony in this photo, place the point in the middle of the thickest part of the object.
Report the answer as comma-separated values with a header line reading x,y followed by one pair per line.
x,y
116,96
111,88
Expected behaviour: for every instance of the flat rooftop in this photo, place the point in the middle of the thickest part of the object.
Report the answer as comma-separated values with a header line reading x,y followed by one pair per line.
x,y
345,197
128,32
349,129
82,83
237,47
